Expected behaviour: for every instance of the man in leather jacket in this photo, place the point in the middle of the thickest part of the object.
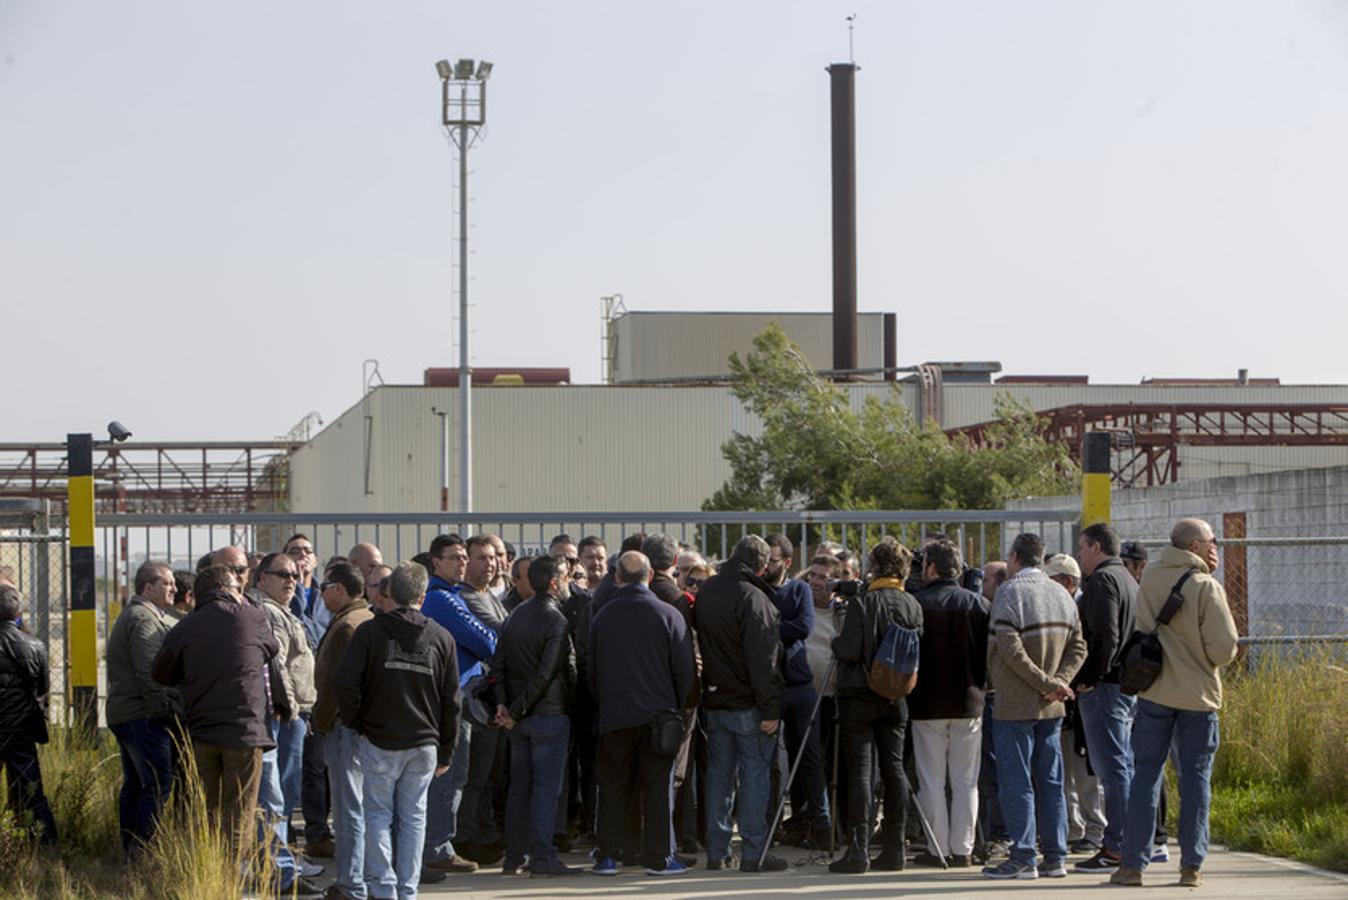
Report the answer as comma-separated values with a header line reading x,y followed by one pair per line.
x,y
534,673
24,681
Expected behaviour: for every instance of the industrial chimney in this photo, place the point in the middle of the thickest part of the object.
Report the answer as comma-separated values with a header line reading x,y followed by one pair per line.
x,y
843,91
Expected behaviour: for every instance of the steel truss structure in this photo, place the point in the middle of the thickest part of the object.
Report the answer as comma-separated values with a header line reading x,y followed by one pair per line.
x,y
180,477
1146,437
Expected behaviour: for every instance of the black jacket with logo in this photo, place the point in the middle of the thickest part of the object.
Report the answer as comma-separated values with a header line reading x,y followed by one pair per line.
x,y
398,683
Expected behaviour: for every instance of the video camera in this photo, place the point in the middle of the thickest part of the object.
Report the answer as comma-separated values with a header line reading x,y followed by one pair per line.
x,y
848,588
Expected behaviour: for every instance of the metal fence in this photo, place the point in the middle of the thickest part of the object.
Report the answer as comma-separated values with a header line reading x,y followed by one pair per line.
x,y
36,565
1284,589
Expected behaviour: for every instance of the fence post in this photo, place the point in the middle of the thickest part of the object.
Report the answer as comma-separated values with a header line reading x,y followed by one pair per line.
x,y
83,614
1095,478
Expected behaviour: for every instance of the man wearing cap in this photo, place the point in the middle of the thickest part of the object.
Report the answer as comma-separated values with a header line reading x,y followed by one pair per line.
x,y
1134,557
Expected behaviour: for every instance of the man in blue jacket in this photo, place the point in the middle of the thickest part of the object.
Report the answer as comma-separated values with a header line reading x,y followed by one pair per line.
x,y
475,643
795,609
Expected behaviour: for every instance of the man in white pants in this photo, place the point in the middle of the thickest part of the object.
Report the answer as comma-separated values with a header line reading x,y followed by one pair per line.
x,y
946,707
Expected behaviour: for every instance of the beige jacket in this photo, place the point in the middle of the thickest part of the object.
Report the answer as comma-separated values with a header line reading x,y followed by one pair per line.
x,y
295,659
1199,640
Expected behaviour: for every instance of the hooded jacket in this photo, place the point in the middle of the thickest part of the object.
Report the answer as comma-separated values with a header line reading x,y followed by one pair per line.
x,y
398,684
737,630
218,658
1200,639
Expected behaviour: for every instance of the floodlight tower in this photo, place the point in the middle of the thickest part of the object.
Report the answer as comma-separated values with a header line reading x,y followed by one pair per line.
x,y
463,105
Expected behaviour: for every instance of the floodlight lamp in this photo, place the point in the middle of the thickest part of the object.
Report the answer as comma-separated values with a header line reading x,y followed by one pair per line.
x,y
463,68
445,70
483,70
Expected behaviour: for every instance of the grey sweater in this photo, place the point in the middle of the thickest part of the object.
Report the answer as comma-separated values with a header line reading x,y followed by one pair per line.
x,y
1035,645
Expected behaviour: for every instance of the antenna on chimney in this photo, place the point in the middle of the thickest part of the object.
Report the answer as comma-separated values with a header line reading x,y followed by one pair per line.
x,y
851,21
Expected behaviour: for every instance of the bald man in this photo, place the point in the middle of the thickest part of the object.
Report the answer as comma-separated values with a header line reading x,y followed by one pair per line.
x,y
1181,705
365,556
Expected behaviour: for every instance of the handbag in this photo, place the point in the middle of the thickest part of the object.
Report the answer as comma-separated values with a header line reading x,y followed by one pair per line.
x,y
1143,658
667,734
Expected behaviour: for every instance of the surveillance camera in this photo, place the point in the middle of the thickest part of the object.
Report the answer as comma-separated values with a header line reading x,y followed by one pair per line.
x,y
117,431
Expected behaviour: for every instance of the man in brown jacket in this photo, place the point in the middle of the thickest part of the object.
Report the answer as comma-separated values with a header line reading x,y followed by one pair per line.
x,y
1182,704
342,595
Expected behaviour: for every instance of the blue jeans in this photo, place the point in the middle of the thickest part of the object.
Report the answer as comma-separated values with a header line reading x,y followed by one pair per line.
x,y
1107,716
290,737
537,763
272,826
348,808
146,747
735,745
395,788
1029,785
443,799
1195,735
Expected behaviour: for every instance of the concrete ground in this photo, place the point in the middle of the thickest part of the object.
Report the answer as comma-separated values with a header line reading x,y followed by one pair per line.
x,y
1225,875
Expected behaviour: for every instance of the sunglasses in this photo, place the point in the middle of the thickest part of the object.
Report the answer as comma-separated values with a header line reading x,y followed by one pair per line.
x,y
239,570
290,576
693,582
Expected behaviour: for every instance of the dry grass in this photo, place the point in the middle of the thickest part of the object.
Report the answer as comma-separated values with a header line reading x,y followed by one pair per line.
x,y
1280,783
190,857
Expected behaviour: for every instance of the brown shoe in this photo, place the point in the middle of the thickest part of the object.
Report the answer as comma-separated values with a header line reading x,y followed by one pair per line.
x,y
1127,877
456,864
1191,877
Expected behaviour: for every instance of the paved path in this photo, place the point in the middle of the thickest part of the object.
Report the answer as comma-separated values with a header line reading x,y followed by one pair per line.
x,y
1225,875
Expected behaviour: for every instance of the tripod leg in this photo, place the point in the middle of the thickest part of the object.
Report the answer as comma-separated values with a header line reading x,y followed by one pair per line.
x,y
791,776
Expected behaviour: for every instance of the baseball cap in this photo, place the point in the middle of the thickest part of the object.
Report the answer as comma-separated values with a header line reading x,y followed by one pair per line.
x,y
1133,550
1062,564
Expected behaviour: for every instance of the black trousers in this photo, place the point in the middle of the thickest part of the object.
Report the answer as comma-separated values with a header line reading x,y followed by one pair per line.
x,y
872,732
627,770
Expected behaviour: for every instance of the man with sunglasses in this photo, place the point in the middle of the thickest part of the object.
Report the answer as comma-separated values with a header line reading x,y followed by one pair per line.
x,y
283,768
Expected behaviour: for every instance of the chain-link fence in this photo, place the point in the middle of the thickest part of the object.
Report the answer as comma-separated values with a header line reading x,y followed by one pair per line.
x,y
36,565
1283,590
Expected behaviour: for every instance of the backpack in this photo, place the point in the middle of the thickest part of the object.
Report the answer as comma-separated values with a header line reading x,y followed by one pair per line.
x,y
893,670
1142,655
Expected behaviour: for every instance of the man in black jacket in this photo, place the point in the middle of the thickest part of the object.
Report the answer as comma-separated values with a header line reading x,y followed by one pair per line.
x,y
737,628
24,682
218,658
641,669
534,672
1107,607
946,706
398,688
871,723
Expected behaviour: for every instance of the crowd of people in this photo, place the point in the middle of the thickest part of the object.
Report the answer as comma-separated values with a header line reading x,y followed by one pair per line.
x,y
470,708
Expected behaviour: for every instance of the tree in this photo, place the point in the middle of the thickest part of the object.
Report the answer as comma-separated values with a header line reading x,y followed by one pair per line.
x,y
816,451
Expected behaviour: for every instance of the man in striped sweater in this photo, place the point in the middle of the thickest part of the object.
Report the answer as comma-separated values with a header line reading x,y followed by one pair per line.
x,y
1034,650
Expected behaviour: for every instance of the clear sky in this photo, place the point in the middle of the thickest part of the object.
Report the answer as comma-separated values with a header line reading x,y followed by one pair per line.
x,y
210,214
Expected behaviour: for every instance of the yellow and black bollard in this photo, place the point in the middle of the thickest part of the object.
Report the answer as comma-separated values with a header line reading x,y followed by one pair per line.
x,y
1095,477
83,615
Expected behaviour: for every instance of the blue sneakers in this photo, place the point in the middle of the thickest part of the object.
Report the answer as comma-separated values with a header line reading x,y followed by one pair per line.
x,y
605,866
671,867
1011,869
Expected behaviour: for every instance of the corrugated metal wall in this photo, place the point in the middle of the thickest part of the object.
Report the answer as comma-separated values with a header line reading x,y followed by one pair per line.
x,y
654,345
605,448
